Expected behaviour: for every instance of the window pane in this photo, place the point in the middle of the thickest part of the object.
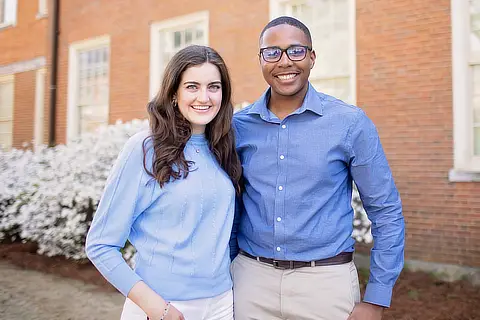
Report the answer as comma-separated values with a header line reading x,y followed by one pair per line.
x,y
6,112
329,22
93,88
173,41
476,79
177,39
6,100
475,25
295,10
340,19
199,34
332,31
91,117
476,110
167,56
475,48
301,11
338,87
93,74
42,7
2,11
325,9
98,56
6,134
5,127
188,36
476,139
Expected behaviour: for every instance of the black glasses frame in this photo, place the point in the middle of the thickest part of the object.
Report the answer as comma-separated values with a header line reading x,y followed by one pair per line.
x,y
284,51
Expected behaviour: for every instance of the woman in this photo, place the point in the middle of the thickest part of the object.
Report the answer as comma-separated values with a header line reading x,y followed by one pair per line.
x,y
171,193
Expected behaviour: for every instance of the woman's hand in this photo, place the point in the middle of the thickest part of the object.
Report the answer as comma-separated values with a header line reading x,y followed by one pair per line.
x,y
174,314
152,304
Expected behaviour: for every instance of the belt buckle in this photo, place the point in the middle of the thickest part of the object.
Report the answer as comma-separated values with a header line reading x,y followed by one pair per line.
x,y
276,265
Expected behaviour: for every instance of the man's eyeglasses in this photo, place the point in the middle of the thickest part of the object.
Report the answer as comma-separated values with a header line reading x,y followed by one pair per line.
x,y
294,53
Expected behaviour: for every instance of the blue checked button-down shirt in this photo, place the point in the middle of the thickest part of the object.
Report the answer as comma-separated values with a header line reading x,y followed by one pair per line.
x,y
298,186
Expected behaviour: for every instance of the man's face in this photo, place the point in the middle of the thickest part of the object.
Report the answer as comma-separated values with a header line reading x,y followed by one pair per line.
x,y
286,77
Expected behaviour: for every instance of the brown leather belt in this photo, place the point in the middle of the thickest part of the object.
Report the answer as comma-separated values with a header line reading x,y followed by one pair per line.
x,y
344,257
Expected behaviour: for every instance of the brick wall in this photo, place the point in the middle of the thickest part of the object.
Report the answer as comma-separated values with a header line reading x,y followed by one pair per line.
x,y
234,28
28,39
25,41
405,86
403,83
24,108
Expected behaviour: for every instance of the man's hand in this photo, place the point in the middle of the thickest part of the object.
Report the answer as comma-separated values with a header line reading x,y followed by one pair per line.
x,y
366,311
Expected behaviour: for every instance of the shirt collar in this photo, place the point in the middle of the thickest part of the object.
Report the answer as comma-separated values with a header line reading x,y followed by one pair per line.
x,y
314,101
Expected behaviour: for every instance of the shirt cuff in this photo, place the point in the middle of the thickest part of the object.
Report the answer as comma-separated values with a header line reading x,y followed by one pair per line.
x,y
378,294
123,278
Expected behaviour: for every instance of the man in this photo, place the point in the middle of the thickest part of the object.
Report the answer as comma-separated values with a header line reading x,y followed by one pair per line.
x,y
301,150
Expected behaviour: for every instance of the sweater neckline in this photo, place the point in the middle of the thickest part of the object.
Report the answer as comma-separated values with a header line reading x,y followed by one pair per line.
x,y
198,139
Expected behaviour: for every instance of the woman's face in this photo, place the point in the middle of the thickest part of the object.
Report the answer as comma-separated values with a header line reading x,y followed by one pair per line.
x,y
199,95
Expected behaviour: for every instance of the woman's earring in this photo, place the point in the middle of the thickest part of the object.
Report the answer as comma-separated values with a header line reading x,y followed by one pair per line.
x,y
174,102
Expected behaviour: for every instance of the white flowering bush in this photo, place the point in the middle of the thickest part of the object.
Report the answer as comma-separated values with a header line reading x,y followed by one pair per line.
x,y
361,225
17,184
48,196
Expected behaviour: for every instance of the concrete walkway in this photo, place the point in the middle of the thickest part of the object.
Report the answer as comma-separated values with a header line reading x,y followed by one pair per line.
x,y
31,295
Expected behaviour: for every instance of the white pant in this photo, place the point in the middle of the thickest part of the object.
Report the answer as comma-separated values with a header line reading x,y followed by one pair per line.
x,y
215,308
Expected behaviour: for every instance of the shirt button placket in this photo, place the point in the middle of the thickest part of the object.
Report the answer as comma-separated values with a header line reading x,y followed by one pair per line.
x,y
279,226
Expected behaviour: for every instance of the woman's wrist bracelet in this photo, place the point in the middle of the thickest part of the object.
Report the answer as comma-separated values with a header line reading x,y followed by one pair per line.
x,y
165,312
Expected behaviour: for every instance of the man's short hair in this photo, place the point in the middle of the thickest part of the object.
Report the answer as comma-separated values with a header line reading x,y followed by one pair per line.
x,y
291,22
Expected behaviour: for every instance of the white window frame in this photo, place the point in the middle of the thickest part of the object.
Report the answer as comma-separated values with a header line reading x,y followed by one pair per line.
x,y
42,9
10,12
275,11
466,165
73,81
156,64
6,79
40,81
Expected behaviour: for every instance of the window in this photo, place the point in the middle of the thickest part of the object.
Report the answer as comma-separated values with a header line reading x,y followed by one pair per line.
x,y
6,110
169,36
88,98
2,11
42,8
466,89
8,13
332,25
475,65
39,106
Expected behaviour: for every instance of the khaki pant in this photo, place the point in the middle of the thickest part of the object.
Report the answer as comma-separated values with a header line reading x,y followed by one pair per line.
x,y
314,293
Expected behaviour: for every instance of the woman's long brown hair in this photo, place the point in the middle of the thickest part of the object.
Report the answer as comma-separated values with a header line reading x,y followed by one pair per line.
x,y
170,131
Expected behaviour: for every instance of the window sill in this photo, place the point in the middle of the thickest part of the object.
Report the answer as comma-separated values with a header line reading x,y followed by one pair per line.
x,y
463,176
4,26
41,15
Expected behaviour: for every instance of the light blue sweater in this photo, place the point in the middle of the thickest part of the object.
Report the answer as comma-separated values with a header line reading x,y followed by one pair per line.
x,y
181,231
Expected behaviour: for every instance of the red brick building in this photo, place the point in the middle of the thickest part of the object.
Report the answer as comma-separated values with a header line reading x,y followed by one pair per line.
x,y
413,66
